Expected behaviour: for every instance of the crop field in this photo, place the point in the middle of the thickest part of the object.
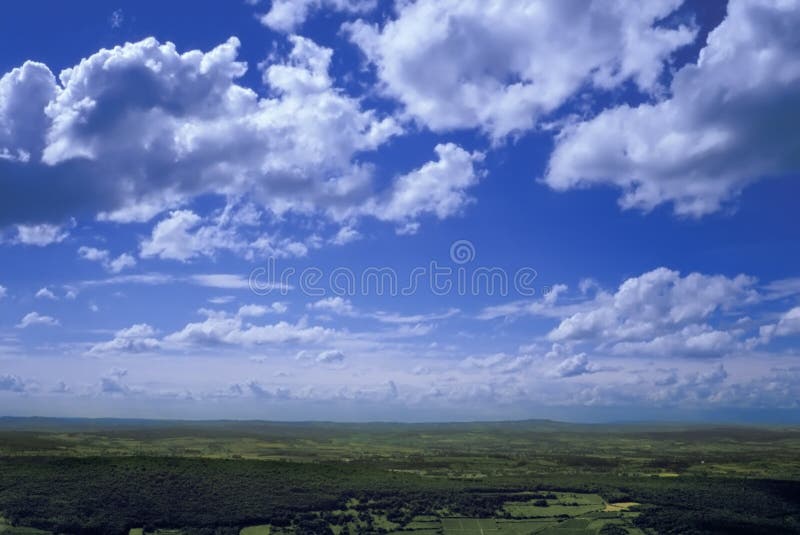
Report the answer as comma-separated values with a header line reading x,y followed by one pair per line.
x,y
469,526
518,478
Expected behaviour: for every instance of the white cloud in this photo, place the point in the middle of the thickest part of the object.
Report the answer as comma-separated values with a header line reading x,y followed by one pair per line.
x,y
227,329
336,305
390,317
345,235
61,388
41,235
46,293
409,322
500,65
654,303
3,291
288,15
122,262
707,387
660,313
574,366
135,339
168,127
271,247
255,311
221,299
227,281
113,382
180,237
691,341
540,307
24,93
255,389
93,254
12,383
698,386
718,131
331,356
296,150
787,325
499,363
437,188
34,318
781,288
152,279
109,263
184,235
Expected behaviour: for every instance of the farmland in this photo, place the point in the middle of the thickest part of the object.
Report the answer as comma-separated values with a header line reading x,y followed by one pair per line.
x,y
256,478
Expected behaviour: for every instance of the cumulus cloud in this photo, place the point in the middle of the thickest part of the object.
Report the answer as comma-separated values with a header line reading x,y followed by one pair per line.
x,y
34,318
113,383
180,237
122,262
335,305
695,340
787,325
345,235
716,132
222,328
331,356
3,291
41,235
218,328
109,263
692,388
658,313
502,65
46,293
12,383
135,339
184,235
288,15
703,388
499,363
138,128
645,306
61,388
574,366
258,390
24,93
437,188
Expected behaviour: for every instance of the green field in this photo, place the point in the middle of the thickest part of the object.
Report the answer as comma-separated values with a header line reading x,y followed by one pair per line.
x,y
227,478
256,530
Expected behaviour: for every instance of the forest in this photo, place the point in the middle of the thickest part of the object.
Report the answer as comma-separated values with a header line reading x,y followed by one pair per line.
x,y
141,477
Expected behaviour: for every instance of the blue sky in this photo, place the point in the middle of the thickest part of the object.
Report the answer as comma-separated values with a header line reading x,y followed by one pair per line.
x,y
609,189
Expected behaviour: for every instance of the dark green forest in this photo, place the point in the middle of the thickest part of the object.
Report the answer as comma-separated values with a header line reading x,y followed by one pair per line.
x,y
527,477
